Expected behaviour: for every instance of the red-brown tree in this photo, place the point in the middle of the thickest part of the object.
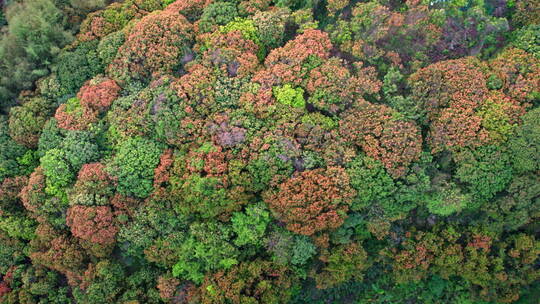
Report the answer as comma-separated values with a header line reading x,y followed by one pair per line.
x,y
313,201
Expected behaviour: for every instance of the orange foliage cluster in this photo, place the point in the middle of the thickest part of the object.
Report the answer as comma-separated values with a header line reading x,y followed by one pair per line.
x,y
456,127
4,288
211,164
155,44
233,54
98,94
57,251
11,187
77,119
313,201
162,173
284,65
189,8
380,32
395,142
167,287
101,23
93,172
519,72
33,195
124,205
453,93
456,83
94,224
196,86
250,282
332,87
229,55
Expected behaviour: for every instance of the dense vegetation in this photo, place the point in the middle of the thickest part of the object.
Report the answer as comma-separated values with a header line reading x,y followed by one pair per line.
x,y
270,151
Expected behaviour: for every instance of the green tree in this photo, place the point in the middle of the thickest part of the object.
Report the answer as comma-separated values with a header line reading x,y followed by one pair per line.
x,y
207,248
371,181
35,34
10,152
106,279
525,144
250,226
216,14
447,200
76,66
288,96
58,171
80,148
134,164
303,250
486,170
26,121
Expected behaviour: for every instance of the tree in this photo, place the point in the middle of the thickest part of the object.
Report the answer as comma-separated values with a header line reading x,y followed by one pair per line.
x,y
343,264
371,182
87,5
204,184
527,39
525,143
134,165
57,251
73,116
313,201
289,96
102,283
35,34
109,45
518,71
191,9
526,12
114,17
78,65
486,170
27,121
517,208
146,225
285,65
447,199
95,224
207,248
462,110
51,137
215,15
250,227
332,87
80,148
58,171
380,132
98,94
10,153
459,84
154,44
271,27
93,187
254,282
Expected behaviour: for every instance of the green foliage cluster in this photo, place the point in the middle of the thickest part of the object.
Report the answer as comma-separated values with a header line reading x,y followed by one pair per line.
x,y
35,33
206,248
75,67
134,165
290,96
250,227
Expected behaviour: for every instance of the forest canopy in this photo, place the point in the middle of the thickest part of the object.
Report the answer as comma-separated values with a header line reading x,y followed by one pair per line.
x,y
270,151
